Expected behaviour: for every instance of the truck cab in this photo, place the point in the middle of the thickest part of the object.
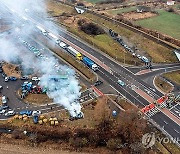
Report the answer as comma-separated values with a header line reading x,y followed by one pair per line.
x,y
94,67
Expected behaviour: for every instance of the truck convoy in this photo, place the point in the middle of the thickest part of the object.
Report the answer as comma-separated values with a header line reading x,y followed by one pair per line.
x,y
87,61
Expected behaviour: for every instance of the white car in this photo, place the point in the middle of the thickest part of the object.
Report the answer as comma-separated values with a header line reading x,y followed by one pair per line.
x,y
35,78
37,112
2,111
139,56
6,79
4,99
10,113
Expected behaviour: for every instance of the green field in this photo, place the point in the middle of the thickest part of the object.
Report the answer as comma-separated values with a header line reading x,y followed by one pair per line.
x,y
121,10
166,22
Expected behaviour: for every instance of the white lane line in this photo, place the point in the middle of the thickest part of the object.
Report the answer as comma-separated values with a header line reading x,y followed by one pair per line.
x,y
176,131
165,122
111,64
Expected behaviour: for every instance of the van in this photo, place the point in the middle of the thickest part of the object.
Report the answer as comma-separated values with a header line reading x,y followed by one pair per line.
x,y
4,99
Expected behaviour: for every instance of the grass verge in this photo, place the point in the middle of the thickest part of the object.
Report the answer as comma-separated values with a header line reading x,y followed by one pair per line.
x,y
173,76
163,85
157,52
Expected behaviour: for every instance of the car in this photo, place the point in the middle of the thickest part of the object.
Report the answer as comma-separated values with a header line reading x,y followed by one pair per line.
x,y
4,99
97,83
26,112
37,112
6,79
144,59
1,87
4,107
139,56
2,111
35,119
80,115
1,70
12,78
120,82
24,78
134,54
4,75
10,113
35,78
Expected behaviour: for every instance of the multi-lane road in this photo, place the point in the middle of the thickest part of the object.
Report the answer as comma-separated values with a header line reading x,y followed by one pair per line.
x,y
111,71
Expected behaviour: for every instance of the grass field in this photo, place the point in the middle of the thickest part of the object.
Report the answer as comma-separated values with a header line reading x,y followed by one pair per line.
x,y
121,10
167,23
173,76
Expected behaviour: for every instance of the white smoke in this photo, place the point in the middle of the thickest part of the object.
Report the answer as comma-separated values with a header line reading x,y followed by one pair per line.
x,y
66,90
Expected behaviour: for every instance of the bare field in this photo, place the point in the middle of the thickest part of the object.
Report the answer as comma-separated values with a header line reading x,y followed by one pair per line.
x,y
11,70
137,16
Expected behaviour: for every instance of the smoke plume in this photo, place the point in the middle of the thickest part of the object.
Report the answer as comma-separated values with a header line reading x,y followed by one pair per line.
x,y
59,80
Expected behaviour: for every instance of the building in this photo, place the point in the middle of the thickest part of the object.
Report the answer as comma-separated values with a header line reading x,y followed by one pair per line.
x,y
141,9
170,2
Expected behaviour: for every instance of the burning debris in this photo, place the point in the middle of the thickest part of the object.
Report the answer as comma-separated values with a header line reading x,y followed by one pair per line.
x,y
63,88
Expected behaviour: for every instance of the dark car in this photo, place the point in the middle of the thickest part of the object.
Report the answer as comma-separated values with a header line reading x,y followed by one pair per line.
x,y
97,83
4,75
26,112
4,107
12,78
1,70
24,78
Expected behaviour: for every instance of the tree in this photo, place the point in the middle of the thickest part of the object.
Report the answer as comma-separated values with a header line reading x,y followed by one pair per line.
x,y
130,126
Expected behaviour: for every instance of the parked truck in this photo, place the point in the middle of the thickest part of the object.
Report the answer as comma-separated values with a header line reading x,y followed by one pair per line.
x,y
90,63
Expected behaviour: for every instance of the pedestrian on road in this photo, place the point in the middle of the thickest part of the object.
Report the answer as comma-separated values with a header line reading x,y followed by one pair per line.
x,y
7,87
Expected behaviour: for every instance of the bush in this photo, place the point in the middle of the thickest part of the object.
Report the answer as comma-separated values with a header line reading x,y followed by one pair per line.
x,y
78,142
114,144
90,28
170,10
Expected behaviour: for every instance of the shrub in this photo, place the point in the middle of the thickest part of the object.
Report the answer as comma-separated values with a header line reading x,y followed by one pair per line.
x,y
114,144
171,10
90,28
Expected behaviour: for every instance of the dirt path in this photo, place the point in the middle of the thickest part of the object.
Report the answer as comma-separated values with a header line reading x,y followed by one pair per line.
x,y
19,149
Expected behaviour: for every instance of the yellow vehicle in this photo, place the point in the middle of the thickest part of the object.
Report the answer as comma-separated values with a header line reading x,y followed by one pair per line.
x,y
74,52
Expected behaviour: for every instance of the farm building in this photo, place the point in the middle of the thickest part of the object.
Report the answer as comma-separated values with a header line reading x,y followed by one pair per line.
x,y
141,9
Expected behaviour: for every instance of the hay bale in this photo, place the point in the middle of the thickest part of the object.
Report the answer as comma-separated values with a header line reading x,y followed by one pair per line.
x,y
24,115
52,123
56,123
41,117
55,119
40,122
25,118
50,119
20,117
16,117
45,120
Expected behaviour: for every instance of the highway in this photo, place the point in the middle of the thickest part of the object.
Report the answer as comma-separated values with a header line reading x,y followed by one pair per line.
x,y
116,72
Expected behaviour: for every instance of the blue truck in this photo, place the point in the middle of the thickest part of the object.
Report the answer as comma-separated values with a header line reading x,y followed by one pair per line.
x,y
90,63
